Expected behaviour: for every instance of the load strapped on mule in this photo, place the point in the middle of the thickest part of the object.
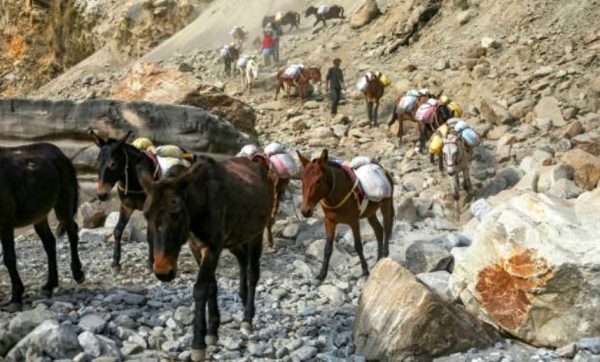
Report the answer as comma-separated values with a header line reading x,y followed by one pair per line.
x,y
279,16
454,125
292,71
408,102
226,51
322,9
166,156
454,107
363,82
280,161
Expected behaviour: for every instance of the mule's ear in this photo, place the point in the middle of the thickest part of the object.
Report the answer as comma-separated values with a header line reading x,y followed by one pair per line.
x,y
124,139
145,179
324,157
303,160
99,141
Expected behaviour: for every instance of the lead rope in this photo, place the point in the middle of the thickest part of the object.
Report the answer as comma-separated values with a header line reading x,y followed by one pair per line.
x,y
126,174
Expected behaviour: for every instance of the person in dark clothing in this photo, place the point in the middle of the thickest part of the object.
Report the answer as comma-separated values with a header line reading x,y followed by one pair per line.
x,y
335,82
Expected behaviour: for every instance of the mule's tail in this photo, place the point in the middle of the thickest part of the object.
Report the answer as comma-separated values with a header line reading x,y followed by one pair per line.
x,y
71,182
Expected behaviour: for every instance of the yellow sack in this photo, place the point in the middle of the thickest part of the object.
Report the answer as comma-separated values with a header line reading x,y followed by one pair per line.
x,y
142,143
385,80
279,16
169,151
455,109
443,130
436,142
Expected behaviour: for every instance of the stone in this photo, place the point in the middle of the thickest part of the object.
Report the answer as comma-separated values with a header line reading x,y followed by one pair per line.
x,y
49,338
7,340
573,129
339,257
495,112
497,132
426,257
586,167
520,109
271,106
149,82
480,208
184,315
305,353
566,189
441,64
590,38
567,351
91,215
544,124
543,71
321,132
591,344
406,210
311,104
341,119
526,249
335,295
548,108
464,17
96,236
439,282
24,322
398,318
488,42
93,323
97,345
364,14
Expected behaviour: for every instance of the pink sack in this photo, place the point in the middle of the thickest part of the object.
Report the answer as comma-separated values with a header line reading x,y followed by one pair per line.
x,y
424,113
284,165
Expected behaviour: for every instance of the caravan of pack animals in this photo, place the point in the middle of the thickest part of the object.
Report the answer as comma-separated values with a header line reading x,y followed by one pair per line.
x,y
233,202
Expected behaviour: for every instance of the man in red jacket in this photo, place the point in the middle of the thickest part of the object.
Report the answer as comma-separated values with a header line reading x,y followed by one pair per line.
x,y
267,47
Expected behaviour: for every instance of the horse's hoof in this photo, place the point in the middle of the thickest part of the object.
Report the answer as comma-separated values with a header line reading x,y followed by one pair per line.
x,y
198,355
246,327
210,340
13,307
79,277
116,269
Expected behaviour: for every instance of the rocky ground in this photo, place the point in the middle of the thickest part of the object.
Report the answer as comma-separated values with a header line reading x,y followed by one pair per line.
x,y
534,102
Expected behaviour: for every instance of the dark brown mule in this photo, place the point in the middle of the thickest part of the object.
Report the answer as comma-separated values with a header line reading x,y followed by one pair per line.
x,y
291,18
373,94
219,205
34,179
304,76
116,166
334,12
326,182
280,185
229,59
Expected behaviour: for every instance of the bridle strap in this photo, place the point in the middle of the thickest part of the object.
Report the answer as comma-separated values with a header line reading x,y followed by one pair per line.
x,y
344,200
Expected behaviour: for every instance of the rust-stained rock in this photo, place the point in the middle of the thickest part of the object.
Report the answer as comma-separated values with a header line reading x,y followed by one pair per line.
x,y
533,268
398,317
586,166
149,82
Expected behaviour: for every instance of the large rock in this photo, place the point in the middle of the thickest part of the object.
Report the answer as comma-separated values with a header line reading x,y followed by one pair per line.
x,y
66,123
24,322
547,108
533,268
495,112
149,82
399,318
426,257
91,214
364,14
586,167
57,341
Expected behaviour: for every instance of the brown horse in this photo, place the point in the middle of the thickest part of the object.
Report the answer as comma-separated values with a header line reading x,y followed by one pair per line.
x,y
218,205
34,179
304,76
406,116
373,93
291,18
229,57
116,166
326,182
334,12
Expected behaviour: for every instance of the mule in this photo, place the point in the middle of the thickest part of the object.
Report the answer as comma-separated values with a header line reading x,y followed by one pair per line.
x,y
330,185
35,179
280,185
291,18
373,93
248,74
217,205
304,76
334,12
406,116
116,166
229,58
457,158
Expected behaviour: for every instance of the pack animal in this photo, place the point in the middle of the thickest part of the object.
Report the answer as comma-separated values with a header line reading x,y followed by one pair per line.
x,y
291,18
457,159
216,205
116,166
248,74
35,179
229,56
373,93
304,76
332,12
330,185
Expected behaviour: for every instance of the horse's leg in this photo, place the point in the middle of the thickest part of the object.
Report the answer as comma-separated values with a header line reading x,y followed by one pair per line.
x,y
387,210
210,259
254,253
43,230
150,241
330,235
378,229
467,186
358,245
441,163
432,158
422,138
241,254
370,111
376,112
455,186
317,21
124,216
214,317
10,260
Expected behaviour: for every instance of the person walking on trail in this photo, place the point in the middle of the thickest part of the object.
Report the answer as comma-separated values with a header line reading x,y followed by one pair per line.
x,y
276,32
335,83
267,47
